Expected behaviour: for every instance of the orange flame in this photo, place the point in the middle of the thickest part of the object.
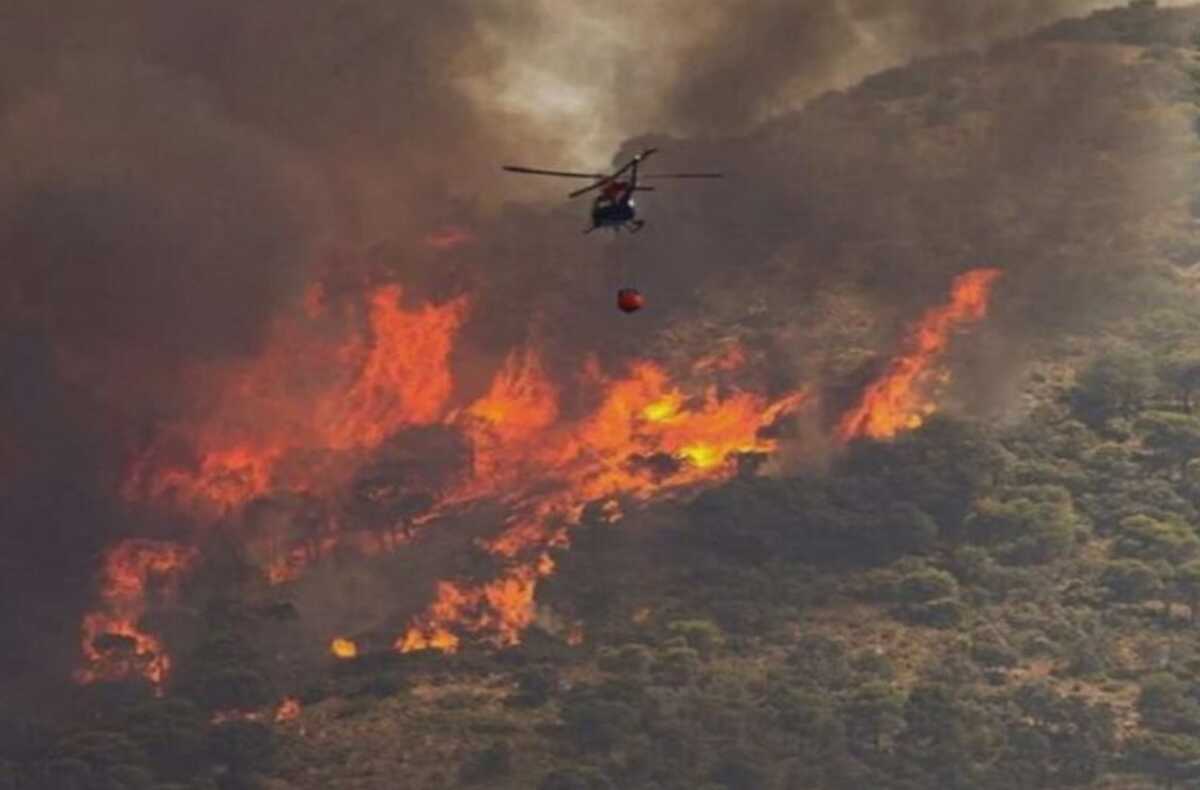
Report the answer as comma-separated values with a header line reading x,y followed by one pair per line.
x,y
644,438
343,648
129,569
733,357
899,400
405,377
297,398
288,709
330,404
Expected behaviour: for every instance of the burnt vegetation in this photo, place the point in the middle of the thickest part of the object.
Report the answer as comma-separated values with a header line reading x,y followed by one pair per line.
x,y
979,604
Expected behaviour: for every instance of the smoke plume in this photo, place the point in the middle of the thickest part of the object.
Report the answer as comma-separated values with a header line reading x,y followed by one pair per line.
x,y
180,179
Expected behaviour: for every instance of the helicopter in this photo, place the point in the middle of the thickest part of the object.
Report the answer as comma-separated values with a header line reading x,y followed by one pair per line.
x,y
614,207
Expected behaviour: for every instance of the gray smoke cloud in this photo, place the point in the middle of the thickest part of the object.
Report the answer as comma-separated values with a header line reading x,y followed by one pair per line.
x,y
174,175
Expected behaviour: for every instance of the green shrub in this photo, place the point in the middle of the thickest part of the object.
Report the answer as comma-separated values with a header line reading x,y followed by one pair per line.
x,y
926,585
631,659
677,666
487,765
701,635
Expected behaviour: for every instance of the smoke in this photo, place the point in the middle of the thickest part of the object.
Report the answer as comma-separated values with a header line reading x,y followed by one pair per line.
x,y
175,175
599,74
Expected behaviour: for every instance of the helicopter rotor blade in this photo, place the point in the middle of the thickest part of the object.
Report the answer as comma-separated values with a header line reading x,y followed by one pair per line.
x,y
639,158
684,175
590,187
561,173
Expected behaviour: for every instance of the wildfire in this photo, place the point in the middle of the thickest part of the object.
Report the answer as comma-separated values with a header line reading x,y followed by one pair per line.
x,y
900,398
305,396
225,716
503,607
113,645
404,378
645,438
343,648
288,709
299,419
733,357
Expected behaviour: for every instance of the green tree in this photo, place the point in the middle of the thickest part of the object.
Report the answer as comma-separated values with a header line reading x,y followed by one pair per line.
x,y
874,715
535,686
1145,538
738,769
1187,583
244,746
1174,439
1172,757
225,671
595,724
10,776
677,666
582,778
1169,704
1180,370
1131,581
1067,738
173,734
128,777
102,749
1115,384
925,584
941,468
702,635
67,773
820,662
1030,524
631,659
938,739
487,765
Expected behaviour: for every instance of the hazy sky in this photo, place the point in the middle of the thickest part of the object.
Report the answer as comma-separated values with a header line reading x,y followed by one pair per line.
x,y
598,73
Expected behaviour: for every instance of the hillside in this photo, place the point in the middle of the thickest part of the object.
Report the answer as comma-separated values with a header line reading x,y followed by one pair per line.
x,y
1001,590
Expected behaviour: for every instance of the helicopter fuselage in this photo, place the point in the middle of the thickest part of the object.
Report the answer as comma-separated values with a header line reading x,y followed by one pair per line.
x,y
606,212
614,208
